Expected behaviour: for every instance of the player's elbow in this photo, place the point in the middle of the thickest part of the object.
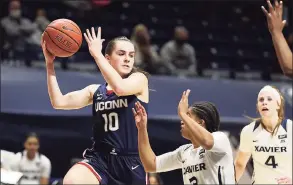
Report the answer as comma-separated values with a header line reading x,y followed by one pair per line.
x,y
150,168
58,104
239,164
207,142
119,91
123,90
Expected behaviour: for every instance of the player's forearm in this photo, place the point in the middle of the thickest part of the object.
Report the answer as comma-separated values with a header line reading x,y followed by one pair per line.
x,y
283,52
146,154
198,134
111,76
54,91
239,170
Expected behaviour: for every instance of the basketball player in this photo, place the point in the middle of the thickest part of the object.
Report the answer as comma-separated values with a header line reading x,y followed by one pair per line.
x,y
208,159
113,158
276,25
268,140
36,167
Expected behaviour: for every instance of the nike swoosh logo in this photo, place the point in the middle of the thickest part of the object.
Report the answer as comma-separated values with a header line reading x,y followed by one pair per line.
x,y
134,167
254,141
69,29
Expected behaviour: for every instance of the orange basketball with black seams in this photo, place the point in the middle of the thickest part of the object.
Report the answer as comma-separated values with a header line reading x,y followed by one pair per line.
x,y
63,37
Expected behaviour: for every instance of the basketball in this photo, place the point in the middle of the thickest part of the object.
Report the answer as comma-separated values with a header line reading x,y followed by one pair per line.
x,y
63,37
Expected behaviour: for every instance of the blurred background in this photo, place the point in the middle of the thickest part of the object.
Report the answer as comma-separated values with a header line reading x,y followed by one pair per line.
x,y
226,56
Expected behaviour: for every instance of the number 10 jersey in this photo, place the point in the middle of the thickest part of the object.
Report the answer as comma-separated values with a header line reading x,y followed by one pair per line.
x,y
114,124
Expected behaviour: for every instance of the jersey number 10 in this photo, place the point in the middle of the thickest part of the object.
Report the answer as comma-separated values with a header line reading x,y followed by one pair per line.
x,y
111,121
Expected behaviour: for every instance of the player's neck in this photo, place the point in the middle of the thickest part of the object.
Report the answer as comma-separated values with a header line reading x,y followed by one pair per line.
x,y
270,122
195,145
30,156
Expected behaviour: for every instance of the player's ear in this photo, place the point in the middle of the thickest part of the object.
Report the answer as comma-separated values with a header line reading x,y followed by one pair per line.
x,y
107,57
202,123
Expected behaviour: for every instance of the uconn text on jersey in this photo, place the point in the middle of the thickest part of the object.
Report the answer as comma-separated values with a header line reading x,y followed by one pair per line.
x,y
113,104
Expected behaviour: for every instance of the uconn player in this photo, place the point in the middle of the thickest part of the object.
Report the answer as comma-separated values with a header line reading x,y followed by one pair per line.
x,y
268,141
113,158
35,167
207,160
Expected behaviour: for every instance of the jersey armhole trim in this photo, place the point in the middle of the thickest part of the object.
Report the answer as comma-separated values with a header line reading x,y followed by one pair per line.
x,y
284,124
256,125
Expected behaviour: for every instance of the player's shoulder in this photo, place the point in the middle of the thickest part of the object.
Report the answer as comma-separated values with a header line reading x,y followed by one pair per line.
x,y
289,122
18,155
93,88
139,74
189,47
45,159
221,137
185,148
220,134
250,128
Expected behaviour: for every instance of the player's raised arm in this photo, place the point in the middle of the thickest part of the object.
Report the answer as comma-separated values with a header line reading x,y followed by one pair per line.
x,y
198,133
276,25
122,60
150,161
146,154
72,100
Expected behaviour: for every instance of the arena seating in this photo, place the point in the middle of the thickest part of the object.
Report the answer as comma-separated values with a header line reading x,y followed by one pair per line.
x,y
226,36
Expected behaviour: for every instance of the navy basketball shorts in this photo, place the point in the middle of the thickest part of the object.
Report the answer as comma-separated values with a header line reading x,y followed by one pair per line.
x,y
115,168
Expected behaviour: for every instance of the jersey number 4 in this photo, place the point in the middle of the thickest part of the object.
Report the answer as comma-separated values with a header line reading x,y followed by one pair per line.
x,y
271,161
111,121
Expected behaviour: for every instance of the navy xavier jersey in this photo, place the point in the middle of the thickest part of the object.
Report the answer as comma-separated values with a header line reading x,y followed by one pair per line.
x,y
114,124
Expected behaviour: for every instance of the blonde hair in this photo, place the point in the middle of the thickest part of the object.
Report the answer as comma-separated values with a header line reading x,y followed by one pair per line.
x,y
281,113
136,29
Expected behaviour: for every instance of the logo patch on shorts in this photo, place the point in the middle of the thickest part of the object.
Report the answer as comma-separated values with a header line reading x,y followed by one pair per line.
x,y
132,168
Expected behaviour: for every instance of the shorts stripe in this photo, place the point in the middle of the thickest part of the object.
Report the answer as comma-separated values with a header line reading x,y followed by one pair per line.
x,y
92,170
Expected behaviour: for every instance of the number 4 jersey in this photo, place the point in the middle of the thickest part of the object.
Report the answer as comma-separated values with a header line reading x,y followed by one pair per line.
x,y
114,124
272,155
200,166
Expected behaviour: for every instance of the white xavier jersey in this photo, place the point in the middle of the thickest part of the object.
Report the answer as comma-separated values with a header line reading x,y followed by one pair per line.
x,y
200,166
32,170
7,159
272,155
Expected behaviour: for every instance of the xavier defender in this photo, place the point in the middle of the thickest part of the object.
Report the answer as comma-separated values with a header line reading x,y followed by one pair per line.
x,y
268,141
207,160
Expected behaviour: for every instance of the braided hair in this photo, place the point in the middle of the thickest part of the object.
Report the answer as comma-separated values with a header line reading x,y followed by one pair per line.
x,y
207,112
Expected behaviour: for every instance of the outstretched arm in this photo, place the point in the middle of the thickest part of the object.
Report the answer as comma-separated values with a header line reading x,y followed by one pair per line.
x,y
72,100
276,25
151,162
198,134
134,84
146,154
